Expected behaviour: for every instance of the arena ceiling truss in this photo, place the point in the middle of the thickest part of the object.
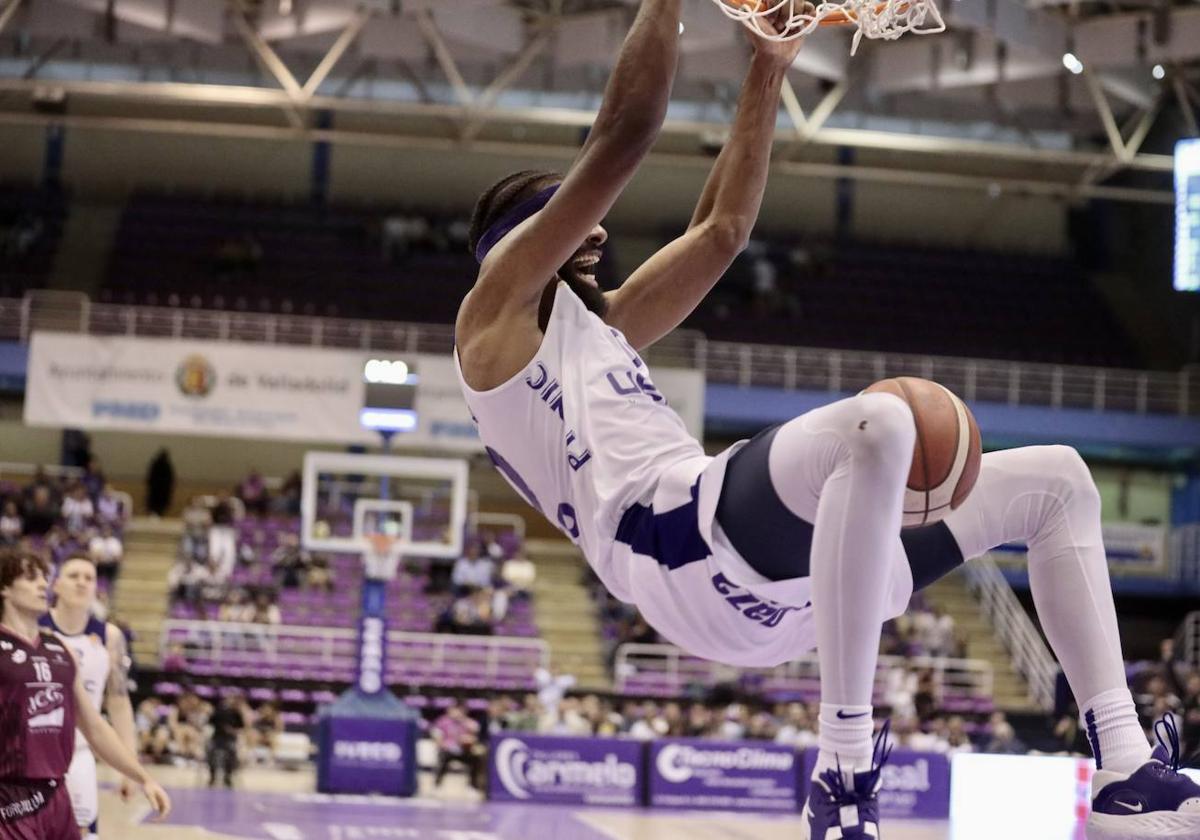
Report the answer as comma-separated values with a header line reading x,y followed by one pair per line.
x,y
1040,97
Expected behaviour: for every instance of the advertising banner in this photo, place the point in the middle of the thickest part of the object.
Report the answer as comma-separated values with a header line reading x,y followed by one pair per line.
x,y
367,755
916,785
524,767
219,388
728,776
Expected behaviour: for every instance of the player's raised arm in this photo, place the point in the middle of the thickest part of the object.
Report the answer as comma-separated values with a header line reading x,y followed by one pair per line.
x,y
630,118
661,293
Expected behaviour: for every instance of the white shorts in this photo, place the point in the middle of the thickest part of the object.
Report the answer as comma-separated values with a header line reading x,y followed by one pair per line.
x,y
82,785
699,594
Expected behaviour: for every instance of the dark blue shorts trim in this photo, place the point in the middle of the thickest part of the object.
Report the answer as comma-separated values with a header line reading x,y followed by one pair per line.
x,y
778,544
673,538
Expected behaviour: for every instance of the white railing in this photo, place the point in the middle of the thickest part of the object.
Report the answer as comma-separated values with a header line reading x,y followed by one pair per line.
x,y
411,656
723,362
669,670
1014,628
1187,640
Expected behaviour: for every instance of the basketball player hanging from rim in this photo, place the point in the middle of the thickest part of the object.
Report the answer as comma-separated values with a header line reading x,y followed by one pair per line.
x,y
103,661
42,699
789,541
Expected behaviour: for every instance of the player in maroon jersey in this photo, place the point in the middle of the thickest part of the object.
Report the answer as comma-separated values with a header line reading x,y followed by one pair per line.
x,y
41,702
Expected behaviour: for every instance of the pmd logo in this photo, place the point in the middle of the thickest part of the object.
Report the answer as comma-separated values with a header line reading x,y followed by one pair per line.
x,y
195,377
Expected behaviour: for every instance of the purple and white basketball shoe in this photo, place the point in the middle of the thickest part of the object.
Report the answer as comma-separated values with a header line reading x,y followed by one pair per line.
x,y
844,805
1154,801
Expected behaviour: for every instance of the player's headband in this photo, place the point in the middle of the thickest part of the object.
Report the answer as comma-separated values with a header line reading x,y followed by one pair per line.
x,y
505,224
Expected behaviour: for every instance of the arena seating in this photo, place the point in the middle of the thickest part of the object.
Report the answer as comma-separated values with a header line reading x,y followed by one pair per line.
x,y
409,607
283,258
316,639
31,224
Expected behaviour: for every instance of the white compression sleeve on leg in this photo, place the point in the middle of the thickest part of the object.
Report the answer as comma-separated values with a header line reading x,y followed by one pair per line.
x,y
844,467
1044,496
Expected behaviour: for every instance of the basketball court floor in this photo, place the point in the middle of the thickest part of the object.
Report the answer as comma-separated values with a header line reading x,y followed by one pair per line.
x,y
278,805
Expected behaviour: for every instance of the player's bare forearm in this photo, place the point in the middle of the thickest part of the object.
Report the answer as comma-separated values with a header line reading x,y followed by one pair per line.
x,y
661,293
734,190
106,743
120,716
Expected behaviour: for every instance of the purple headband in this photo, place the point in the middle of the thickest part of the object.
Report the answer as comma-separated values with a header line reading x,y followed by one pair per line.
x,y
505,224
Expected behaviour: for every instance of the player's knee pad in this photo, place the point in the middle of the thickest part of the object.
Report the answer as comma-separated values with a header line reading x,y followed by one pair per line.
x,y
884,430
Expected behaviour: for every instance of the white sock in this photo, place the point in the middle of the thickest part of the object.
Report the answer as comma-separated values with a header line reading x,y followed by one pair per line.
x,y
844,738
1111,723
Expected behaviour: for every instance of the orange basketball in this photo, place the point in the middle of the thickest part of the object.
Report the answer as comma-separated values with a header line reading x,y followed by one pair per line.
x,y
947,453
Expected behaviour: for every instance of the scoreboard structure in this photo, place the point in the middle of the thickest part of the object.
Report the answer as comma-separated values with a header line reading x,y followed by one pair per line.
x,y
1187,215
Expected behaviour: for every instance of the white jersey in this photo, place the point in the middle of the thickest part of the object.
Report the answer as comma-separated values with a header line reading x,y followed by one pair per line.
x,y
91,655
585,437
582,433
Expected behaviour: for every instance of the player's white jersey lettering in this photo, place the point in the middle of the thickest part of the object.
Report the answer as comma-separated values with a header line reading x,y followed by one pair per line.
x,y
585,437
582,433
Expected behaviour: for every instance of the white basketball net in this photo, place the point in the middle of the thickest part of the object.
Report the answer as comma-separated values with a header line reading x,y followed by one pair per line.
x,y
875,19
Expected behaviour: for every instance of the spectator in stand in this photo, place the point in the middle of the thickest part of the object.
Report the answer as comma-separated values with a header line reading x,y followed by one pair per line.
x,y
1004,740
176,658
189,719
222,540
106,551
153,722
289,562
265,610
956,736
160,483
58,544
320,575
926,700
12,526
526,717
933,740
1190,732
236,607
41,479
110,509
93,477
253,492
474,570
518,574
41,511
188,581
468,615
263,733
77,510
288,500
797,731
457,737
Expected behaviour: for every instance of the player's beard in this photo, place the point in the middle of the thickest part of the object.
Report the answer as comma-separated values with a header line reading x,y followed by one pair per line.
x,y
592,296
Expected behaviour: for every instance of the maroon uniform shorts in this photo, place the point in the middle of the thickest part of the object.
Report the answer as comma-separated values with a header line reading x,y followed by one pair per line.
x,y
36,809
